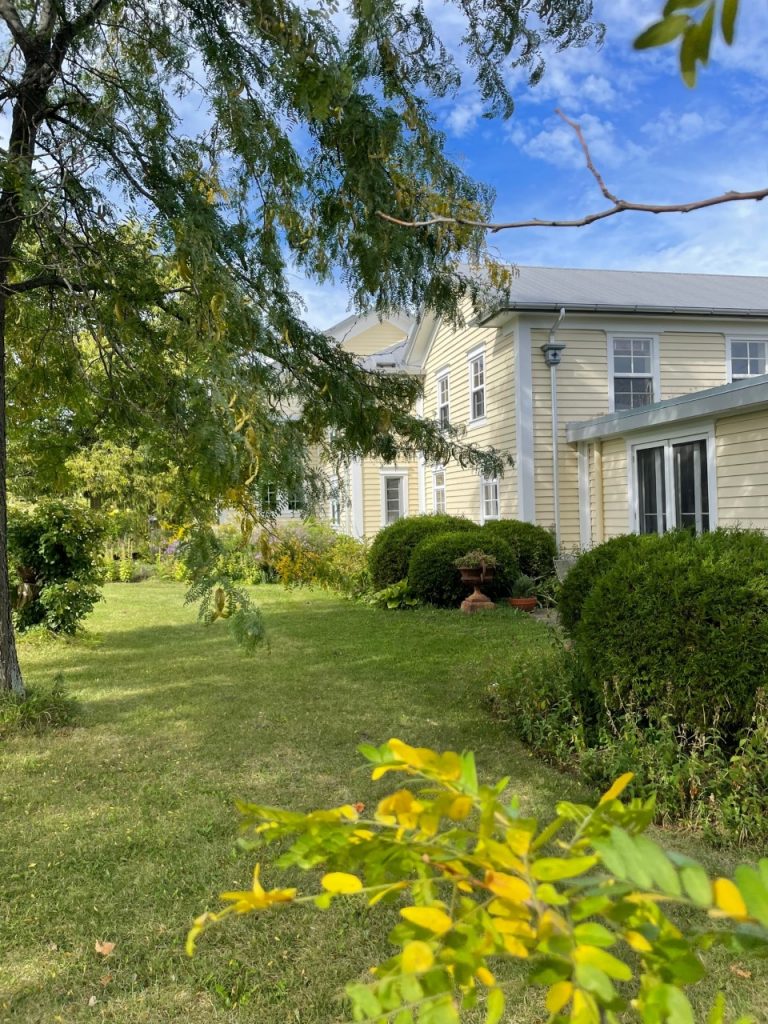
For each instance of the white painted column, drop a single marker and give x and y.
(356, 498)
(526, 492)
(585, 510)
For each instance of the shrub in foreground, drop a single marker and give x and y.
(590, 566)
(390, 552)
(434, 578)
(476, 884)
(680, 631)
(55, 553)
(534, 547)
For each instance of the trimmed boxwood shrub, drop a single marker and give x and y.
(434, 578)
(390, 552)
(593, 564)
(535, 548)
(679, 631)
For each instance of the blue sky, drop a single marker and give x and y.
(653, 139)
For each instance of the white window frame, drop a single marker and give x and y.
(763, 338)
(402, 475)
(493, 481)
(334, 504)
(440, 379)
(667, 439)
(472, 357)
(655, 364)
(436, 471)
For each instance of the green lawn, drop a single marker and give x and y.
(121, 829)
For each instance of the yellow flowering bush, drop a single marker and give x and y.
(584, 902)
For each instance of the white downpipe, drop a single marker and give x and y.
(555, 453)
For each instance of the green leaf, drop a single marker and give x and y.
(468, 772)
(553, 869)
(717, 1013)
(636, 869)
(662, 32)
(697, 884)
(703, 33)
(494, 1006)
(688, 58)
(593, 934)
(728, 20)
(661, 867)
(755, 893)
(595, 981)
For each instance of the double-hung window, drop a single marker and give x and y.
(443, 401)
(633, 369)
(477, 386)
(749, 358)
(489, 498)
(673, 485)
(335, 503)
(295, 501)
(394, 498)
(438, 488)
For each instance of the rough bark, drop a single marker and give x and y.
(10, 671)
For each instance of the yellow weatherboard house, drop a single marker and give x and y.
(631, 402)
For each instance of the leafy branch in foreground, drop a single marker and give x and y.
(581, 903)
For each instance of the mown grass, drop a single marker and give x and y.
(122, 828)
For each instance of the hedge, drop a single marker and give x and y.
(582, 577)
(679, 632)
(390, 552)
(434, 578)
(535, 548)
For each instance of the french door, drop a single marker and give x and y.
(672, 485)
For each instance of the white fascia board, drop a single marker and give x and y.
(742, 395)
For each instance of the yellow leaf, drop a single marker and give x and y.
(617, 788)
(519, 928)
(515, 947)
(417, 958)
(460, 808)
(382, 769)
(519, 841)
(729, 899)
(341, 882)
(507, 887)
(431, 918)
(395, 887)
(559, 996)
(485, 977)
(605, 962)
(638, 942)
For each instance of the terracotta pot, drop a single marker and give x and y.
(523, 604)
(477, 600)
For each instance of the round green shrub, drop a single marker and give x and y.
(390, 552)
(593, 564)
(434, 578)
(535, 548)
(680, 631)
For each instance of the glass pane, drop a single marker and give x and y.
(651, 490)
(392, 494)
(739, 367)
(739, 349)
(641, 364)
(478, 404)
(691, 490)
(622, 346)
(622, 364)
(641, 347)
(443, 416)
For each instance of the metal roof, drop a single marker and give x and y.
(633, 291)
(745, 395)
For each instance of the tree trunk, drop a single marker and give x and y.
(10, 672)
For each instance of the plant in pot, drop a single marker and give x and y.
(523, 596)
(476, 567)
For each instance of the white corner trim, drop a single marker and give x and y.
(356, 498)
(526, 490)
(585, 507)
(655, 362)
(422, 475)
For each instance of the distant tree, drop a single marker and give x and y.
(166, 167)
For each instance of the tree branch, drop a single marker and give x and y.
(617, 205)
(12, 18)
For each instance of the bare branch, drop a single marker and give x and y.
(618, 205)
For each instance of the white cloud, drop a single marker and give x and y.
(686, 127)
(464, 114)
(559, 145)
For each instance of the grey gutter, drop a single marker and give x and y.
(607, 308)
(752, 392)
